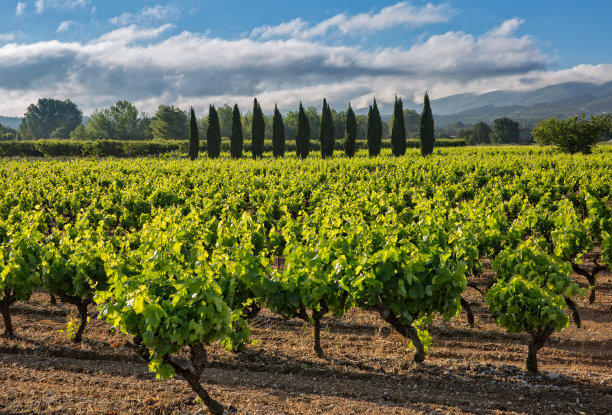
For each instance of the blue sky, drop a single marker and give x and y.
(189, 52)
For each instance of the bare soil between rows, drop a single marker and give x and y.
(367, 368)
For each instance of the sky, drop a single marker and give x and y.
(197, 53)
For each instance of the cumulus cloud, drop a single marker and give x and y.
(42, 5)
(152, 66)
(64, 26)
(146, 16)
(20, 9)
(400, 14)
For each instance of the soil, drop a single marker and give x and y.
(367, 368)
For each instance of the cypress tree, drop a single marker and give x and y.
(398, 129)
(236, 140)
(213, 134)
(374, 130)
(350, 132)
(302, 138)
(326, 135)
(278, 134)
(258, 129)
(426, 128)
(194, 139)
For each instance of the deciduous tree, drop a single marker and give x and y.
(576, 135)
(50, 118)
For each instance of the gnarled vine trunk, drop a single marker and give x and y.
(7, 299)
(192, 375)
(406, 331)
(538, 338)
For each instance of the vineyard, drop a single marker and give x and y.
(472, 280)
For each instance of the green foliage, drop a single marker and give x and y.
(7, 133)
(72, 264)
(411, 122)
(505, 131)
(194, 137)
(426, 128)
(398, 129)
(50, 118)
(192, 250)
(350, 132)
(20, 254)
(236, 138)
(278, 134)
(482, 133)
(521, 305)
(326, 135)
(169, 123)
(529, 261)
(162, 292)
(575, 135)
(302, 138)
(120, 122)
(213, 134)
(258, 128)
(374, 130)
(314, 121)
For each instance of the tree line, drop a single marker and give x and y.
(327, 131)
(51, 118)
(56, 119)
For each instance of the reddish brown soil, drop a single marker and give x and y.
(367, 370)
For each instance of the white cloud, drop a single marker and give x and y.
(20, 9)
(146, 15)
(7, 37)
(42, 5)
(154, 66)
(507, 28)
(64, 26)
(400, 14)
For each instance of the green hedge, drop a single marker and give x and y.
(100, 148)
(115, 148)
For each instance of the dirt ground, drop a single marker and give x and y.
(367, 368)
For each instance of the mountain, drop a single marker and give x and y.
(12, 122)
(576, 95)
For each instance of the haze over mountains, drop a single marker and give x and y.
(559, 101)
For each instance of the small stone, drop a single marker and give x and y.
(553, 376)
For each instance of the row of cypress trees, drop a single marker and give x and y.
(326, 134)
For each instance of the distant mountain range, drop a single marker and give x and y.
(11, 122)
(559, 101)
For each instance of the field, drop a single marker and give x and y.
(367, 369)
(258, 232)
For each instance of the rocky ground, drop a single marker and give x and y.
(367, 368)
